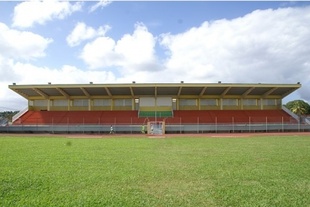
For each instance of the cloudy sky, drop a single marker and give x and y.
(153, 42)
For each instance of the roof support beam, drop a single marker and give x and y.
(225, 91)
(270, 91)
(247, 92)
(203, 91)
(131, 91)
(108, 91)
(41, 93)
(63, 93)
(180, 90)
(85, 92)
(155, 91)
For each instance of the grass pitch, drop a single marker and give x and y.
(183, 171)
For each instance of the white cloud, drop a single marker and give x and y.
(9, 100)
(130, 51)
(82, 32)
(138, 48)
(267, 46)
(101, 3)
(66, 74)
(21, 44)
(264, 46)
(100, 53)
(270, 46)
(26, 14)
(21, 73)
(17, 46)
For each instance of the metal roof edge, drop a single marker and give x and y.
(298, 85)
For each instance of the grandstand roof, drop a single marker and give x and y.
(135, 90)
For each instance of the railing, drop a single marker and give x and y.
(19, 114)
(169, 128)
(295, 116)
(3, 121)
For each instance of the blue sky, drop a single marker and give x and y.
(118, 42)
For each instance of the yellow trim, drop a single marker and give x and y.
(124, 108)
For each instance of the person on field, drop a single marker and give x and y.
(111, 130)
(143, 129)
(152, 129)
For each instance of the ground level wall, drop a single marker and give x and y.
(169, 129)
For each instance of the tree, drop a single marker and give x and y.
(298, 107)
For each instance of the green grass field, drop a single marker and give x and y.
(184, 171)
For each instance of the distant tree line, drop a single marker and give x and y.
(8, 115)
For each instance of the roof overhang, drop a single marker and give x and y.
(136, 90)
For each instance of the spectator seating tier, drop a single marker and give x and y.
(132, 117)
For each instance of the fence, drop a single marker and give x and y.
(170, 128)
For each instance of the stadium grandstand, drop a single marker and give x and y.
(161, 107)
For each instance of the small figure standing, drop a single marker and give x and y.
(143, 129)
(111, 130)
(152, 129)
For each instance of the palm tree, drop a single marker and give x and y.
(298, 107)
